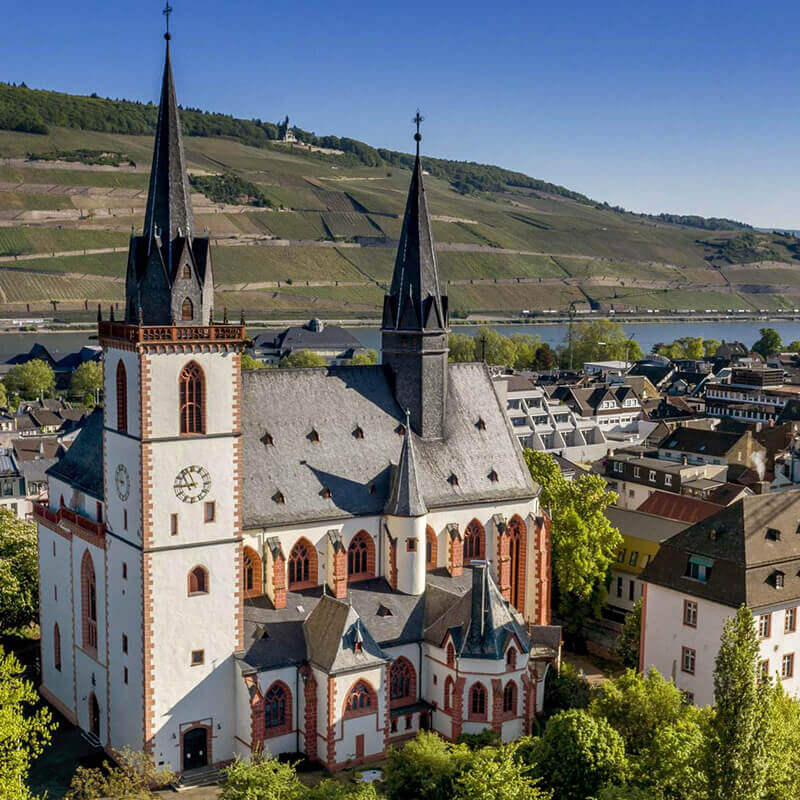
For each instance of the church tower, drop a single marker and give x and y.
(172, 455)
(415, 328)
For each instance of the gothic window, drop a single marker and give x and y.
(302, 565)
(57, 647)
(277, 709)
(431, 548)
(402, 682)
(449, 686)
(251, 568)
(511, 658)
(88, 604)
(198, 581)
(360, 557)
(474, 542)
(510, 698)
(122, 398)
(517, 535)
(477, 701)
(192, 399)
(187, 310)
(451, 654)
(361, 699)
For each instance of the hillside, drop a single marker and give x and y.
(300, 231)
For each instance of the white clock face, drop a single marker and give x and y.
(122, 480)
(192, 484)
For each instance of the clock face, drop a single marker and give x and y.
(122, 480)
(192, 484)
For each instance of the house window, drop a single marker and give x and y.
(690, 613)
(411, 545)
(510, 698)
(668, 480)
(359, 555)
(210, 510)
(187, 310)
(122, 398)
(198, 581)
(187, 273)
(125, 519)
(192, 399)
(276, 702)
(125, 675)
(124, 643)
(124, 570)
(699, 568)
(688, 657)
(634, 558)
(764, 626)
(402, 682)
(787, 666)
(98, 511)
(619, 587)
(361, 699)
(57, 647)
(631, 590)
(198, 657)
(477, 702)
(431, 548)
(621, 556)
(394, 726)
(790, 620)
(763, 668)
(173, 524)
(409, 720)
(451, 654)
(652, 476)
(636, 472)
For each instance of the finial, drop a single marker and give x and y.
(111, 313)
(225, 315)
(99, 313)
(408, 420)
(167, 12)
(418, 119)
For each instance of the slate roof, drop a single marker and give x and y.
(38, 351)
(299, 439)
(643, 525)
(678, 506)
(82, 466)
(745, 558)
(698, 440)
(309, 337)
(33, 448)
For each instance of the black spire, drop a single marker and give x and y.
(405, 498)
(415, 319)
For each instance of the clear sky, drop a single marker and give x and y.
(687, 107)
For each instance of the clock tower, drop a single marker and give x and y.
(172, 455)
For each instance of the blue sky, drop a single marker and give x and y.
(679, 106)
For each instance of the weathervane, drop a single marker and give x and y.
(418, 119)
(166, 12)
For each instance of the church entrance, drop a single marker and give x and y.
(195, 748)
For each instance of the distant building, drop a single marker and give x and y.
(333, 343)
(611, 407)
(12, 484)
(285, 131)
(698, 446)
(753, 394)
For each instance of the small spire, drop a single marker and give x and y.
(405, 498)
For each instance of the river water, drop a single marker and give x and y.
(645, 333)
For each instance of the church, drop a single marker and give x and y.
(311, 561)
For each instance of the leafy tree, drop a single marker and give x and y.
(769, 344)
(3, 395)
(330, 789)
(31, 379)
(630, 636)
(303, 358)
(783, 746)
(586, 343)
(19, 572)
(86, 380)
(579, 755)
(248, 362)
(365, 359)
(710, 347)
(462, 347)
(496, 774)
(566, 689)
(134, 775)
(794, 346)
(426, 768)
(263, 778)
(584, 542)
(25, 729)
(694, 347)
(741, 726)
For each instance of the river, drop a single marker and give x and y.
(645, 333)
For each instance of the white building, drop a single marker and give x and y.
(314, 560)
(747, 553)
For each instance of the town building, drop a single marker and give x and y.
(753, 394)
(746, 554)
(612, 407)
(12, 484)
(331, 342)
(321, 561)
(699, 446)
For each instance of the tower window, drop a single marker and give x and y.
(198, 581)
(279, 498)
(57, 647)
(187, 310)
(198, 657)
(192, 399)
(210, 511)
(358, 432)
(122, 398)
(88, 604)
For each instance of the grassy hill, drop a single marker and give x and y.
(299, 231)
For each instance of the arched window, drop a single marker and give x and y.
(187, 310)
(449, 686)
(251, 573)
(517, 534)
(510, 698)
(431, 548)
(361, 699)
(277, 709)
(477, 702)
(192, 399)
(474, 542)
(198, 581)
(57, 647)
(94, 715)
(451, 654)
(187, 272)
(122, 398)
(511, 658)
(302, 565)
(88, 604)
(361, 557)
(402, 682)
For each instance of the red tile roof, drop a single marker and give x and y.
(678, 506)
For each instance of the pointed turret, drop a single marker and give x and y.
(415, 317)
(169, 279)
(406, 498)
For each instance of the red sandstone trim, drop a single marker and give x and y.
(430, 536)
(331, 752)
(310, 712)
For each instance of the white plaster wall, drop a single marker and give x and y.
(111, 357)
(54, 571)
(624, 601)
(79, 547)
(56, 489)
(411, 565)
(321, 679)
(290, 742)
(122, 450)
(370, 725)
(91, 677)
(781, 643)
(243, 730)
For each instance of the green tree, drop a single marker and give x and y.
(584, 542)
(783, 746)
(31, 379)
(587, 338)
(248, 362)
(566, 689)
(741, 727)
(25, 728)
(629, 637)
(462, 347)
(331, 789)
(769, 344)
(365, 359)
(87, 380)
(263, 778)
(135, 775)
(710, 347)
(497, 774)
(694, 347)
(303, 358)
(426, 768)
(19, 572)
(794, 346)
(3, 395)
(579, 755)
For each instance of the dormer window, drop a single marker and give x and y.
(267, 439)
(699, 568)
(493, 476)
(480, 424)
(453, 479)
(313, 436)
(400, 430)
(325, 493)
(279, 498)
(773, 534)
(777, 579)
(358, 433)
